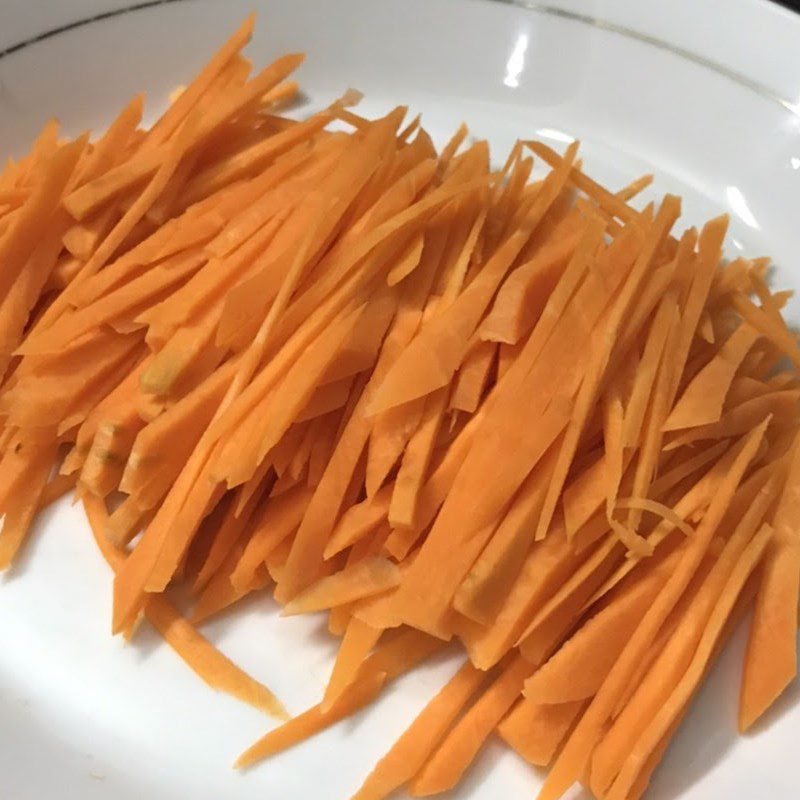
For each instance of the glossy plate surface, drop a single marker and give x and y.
(707, 99)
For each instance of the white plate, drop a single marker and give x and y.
(706, 98)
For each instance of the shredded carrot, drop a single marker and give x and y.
(508, 411)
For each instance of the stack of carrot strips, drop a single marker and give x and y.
(434, 399)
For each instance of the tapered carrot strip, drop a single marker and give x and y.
(326, 398)
(358, 521)
(416, 461)
(21, 500)
(424, 597)
(359, 694)
(368, 577)
(168, 123)
(83, 238)
(199, 654)
(522, 297)
(611, 203)
(709, 252)
(547, 564)
(434, 492)
(390, 434)
(414, 747)
(535, 731)
(454, 755)
(472, 377)
(407, 262)
(658, 410)
(768, 671)
(646, 373)
(764, 324)
(702, 401)
(359, 639)
(360, 350)
(389, 661)
(741, 418)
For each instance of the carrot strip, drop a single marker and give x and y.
(359, 639)
(702, 401)
(454, 755)
(305, 725)
(576, 671)
(368, 577)
(768, 672)
(660, 725)
(535, 731)
(573, 758)
(670, 663)
(199, 654)
(389, 661)
(414, 747)
(433, 356)
(358, 521)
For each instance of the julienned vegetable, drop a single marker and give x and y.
(437, 400)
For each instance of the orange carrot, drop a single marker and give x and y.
(414, 747)
(358, 640)
(368, 577)
(460, 746)
(535, 731)
(200, 655)
(771, 659)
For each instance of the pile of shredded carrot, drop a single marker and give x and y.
(437, 400)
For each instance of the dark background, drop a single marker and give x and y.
(794, 5)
